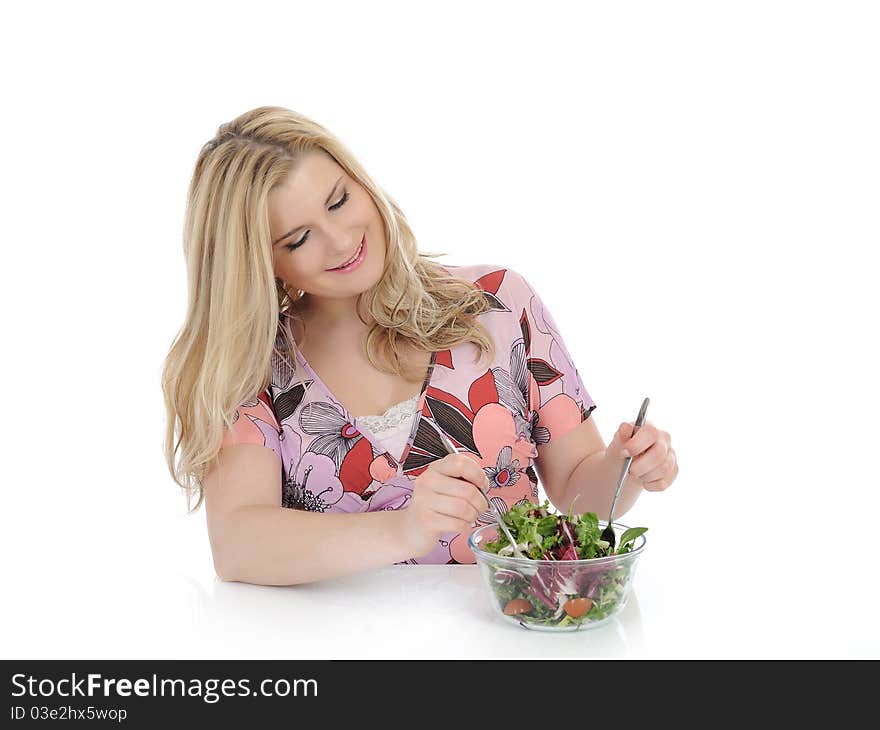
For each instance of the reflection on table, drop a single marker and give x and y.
(401, 611)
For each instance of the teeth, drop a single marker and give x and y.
(351, 260)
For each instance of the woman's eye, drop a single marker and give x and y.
(292, 246)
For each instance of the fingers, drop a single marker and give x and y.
(460, 509)
(461, 466)
(654, 461)
(444, 525)
(634, 445)
(650, 461)
(448, 504)
(460, 490)
(662, 477)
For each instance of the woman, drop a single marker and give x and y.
(322, 356)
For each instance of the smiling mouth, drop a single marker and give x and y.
(353, 258)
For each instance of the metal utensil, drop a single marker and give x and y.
(450, 447)
(608, 532)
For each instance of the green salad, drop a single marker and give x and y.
(559, 594)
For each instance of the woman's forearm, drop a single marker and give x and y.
(594, 481)
(281, 546)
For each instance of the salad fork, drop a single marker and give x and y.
(608, 532)
(450, 447)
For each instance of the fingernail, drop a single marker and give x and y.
(625, 453)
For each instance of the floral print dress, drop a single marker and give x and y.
(497, 413)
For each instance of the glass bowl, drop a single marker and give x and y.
(556, 595)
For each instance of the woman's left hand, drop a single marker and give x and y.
(654, 461)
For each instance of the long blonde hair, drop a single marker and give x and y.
(237, 325)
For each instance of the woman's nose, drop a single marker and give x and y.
(342, 246)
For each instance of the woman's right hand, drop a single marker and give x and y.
(447, 497)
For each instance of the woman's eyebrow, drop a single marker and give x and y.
(326, 202)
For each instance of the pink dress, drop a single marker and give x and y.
(530, 394)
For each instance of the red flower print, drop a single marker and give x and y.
(505, 473)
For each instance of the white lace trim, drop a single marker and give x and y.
(393, 419)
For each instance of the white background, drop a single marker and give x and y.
(692, 188)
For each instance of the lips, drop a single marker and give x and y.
(353, 256)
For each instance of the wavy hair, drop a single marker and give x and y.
(237, 328)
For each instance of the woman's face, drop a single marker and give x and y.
(318, 217)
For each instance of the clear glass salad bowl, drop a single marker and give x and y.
(556, 595)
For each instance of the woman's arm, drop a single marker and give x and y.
(593, 483)
(281, 546)
(256, 540)
(578, 474)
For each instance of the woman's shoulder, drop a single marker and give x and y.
(254, 422)
(506, 284)
(486, 275)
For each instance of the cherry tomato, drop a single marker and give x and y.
(577, 607)
(517, 605)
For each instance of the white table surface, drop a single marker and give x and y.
(405, 611)
(114, 572)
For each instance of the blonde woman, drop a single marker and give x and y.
(322, 355)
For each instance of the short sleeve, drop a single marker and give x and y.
(254, 422)
(556, 392)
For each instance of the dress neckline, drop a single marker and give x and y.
(356, 422)
(391, 411)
